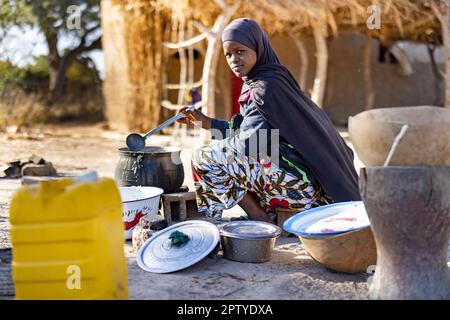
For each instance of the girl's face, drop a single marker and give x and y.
(240, 58)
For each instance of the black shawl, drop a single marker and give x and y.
(301, 122)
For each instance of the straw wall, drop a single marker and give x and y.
(132, 45)
(116, 67)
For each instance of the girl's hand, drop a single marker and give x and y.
(188, 119)
(193, 116)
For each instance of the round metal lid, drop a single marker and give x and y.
(250, 230)
(159, 256)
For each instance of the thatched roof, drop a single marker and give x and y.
(149, 23)
(400, 19)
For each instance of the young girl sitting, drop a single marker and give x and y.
(281, 151)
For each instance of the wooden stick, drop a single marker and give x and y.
(221, 3)
(406, 68)
(201, 27)
(183, 62)
(368, 84)
(186, 43)
(190, 78)
(445, 26)
(318, 92)
(438, 77)
(169, 105)
(183, 74)
(165, 62)
(303, 69)
(177, 86)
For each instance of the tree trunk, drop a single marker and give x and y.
(368, 84)
(318, 92)
(58, 65)
(57, 79)
(53, 64)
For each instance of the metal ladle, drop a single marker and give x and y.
(136, 142)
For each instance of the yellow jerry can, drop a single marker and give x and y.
(68, 241)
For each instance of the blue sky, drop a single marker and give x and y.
(21, 45)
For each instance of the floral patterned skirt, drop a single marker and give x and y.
(221, 184)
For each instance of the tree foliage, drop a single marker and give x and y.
(51, 16)
(14, 13)
(77, 20)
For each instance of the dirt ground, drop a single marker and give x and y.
(290, 274)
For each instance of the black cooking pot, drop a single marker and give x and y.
(152, 166)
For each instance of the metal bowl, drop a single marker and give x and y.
(248, 241)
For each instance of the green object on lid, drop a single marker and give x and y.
(178, 238)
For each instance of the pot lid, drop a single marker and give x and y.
(158, 255)
(250, 230)
(329, 220)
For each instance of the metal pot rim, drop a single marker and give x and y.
(158, 150)
(248, 238)
(225, 233)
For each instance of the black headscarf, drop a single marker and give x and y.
(301, 122)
